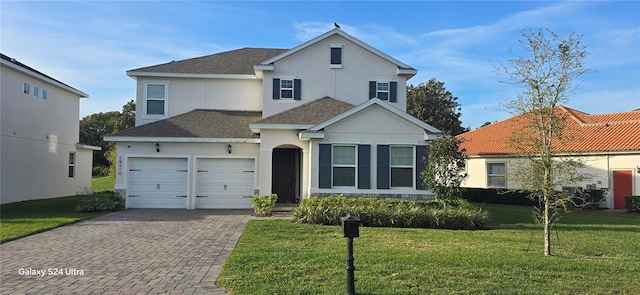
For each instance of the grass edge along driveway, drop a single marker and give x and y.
(25, 218)
(597, 254)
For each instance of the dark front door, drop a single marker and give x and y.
(622, 187)
(285, 174)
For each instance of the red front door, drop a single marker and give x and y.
(621, 187)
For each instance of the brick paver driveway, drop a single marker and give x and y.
(135, 251)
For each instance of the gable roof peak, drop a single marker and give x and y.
(408, 70)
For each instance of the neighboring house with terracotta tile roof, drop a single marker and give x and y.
(41, 156)
(325, 117)
(609, 144)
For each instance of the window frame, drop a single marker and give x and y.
(282, 88)
(163, 99)
(387, 91)
(44, 94)
(71, 171)
(26, 88)
(335, 56)
(491, 175)
(353, 166)
(410, 165)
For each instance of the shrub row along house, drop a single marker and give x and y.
(40, 156)
(608, 145)
(325, 117)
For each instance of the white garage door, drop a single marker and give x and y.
(224, 183)
(157, 183)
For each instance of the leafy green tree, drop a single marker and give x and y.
(94, 127)
(444, 170)
(433, 104)
(546, 73)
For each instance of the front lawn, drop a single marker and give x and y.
(104, 183)
(24, 218)
(598, 254)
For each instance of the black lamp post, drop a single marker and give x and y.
(350, 230)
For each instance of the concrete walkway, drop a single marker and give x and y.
(134, 251)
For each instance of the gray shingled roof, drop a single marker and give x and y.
(311, 113)
(238, 62)
(199, 123)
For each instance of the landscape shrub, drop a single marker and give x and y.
(263, 205)
(497, 196)
(632, 203)
(457, 214)
(106, 201)
(100, 171)
(590, 199)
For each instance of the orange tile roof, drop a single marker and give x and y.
(614, 132)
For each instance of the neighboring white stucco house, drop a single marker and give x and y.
(325, 117)
(40, 156)
(608, 144)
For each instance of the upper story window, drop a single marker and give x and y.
(401, 162)
(44, 94)
(336, 56)
(36, 91)
(26, 88)
(287, 89)
(156, 99)
(384, 90)
(496, 175)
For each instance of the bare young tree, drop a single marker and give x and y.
(546, 73)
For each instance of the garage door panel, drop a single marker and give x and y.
(226, 183)
(158, 183)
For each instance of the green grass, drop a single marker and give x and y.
(598, 254)
(25, 218)
(99, 184)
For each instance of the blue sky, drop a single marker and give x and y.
(90, 44)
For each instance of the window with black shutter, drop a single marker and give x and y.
(384, 90)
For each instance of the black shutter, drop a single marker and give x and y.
(336, 55)
(324, 178)
(364, 166)
(421, 152)
(393, 91)
(297, 89)
(276, 88)
(372, 89)
(383, 170)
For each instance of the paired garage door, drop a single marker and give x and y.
(163, 183)
(224, 183)
(157, 183)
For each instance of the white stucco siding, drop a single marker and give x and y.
(372, 126)
(349, 83)
(193, 152)
(186, 94)
(598, 167)
(274, 138)
(375, 124)
(37, 136)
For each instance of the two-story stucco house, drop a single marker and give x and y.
(323, 118)
(40, 156)
(608, 145)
